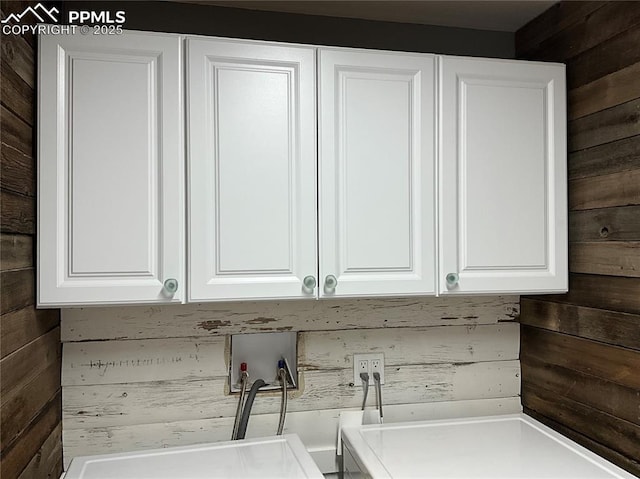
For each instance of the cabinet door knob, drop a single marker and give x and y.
(452, 279)
(309, 282)
(171, 285)
(330, 283)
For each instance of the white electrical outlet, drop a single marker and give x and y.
(368, 363)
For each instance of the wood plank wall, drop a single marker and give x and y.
(580, 352)
(145, 377)
(30, 352)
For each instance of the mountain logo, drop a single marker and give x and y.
(39, 12)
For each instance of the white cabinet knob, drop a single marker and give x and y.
(330, 283)
(171, 285)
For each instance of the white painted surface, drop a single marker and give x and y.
(111, 169)
(275, 457)
(377, 172)
(252, 170)
(510, 446)
(503, 180)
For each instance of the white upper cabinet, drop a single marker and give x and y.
(252, 170)
(502, 202)
(111, 169)
(377, 160)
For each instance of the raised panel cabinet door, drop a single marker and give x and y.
(252, 170)
(503, 176)
(377, 173)
(110, 169)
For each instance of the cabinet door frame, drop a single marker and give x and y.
(208, 279)
(419, 72)
(58, 284)
(456, 74)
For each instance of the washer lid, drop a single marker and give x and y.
(509, 446)
(278, 457)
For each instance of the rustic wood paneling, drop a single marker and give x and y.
(23, 366)
(18, 213)
(22, 326)
(613, 124)
(16, 94)
(606, 92)
(614, 293)
(15, 131)
(606, 452)
(615, 258)
(621, 329)
(605, 224)
(19, 56)
(616, 189)
(614, 157)
(609, 430)
(22, 451)
(606, 396)
(550, 23)
(16, 251)
(146, 322)
(18, 289)
(604, 59)
(17, 171)
(47, 462)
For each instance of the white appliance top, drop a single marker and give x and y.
(280, 457)
(508, 446)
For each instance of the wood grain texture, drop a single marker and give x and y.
(609, 430)
(605, 224)
(593, 29)
(22, 326)
(21, 406)
(612, 363)
(553, 21)
(614, 157)
(16, 251)
(7, 7)
(47, 462)
(23, 450)
(16, 94)
(317, 429)
(612, 455)
(16, 132)
(611, 90)
(17, 171)
(608, 57)
(24, 365)
(616, 258)
(613, 124)
(18, 213)
(616, 189)
(19, 56)
(147, 322)
(604, 292)
(606, 396)
(18, 289)
(621, 329)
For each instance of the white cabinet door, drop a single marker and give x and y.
(252, 170)
(503, 205)
(111, 169)
(377, 171)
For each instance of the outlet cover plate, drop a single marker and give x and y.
(369, 357)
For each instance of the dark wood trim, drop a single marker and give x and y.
(18, 289)
(611, 431)
(631, 465)
(18, 328)
(16, 251)
(606, 396)
(605, 126)
(614, 157)
(613, 363)
(621, 329)
(16, 457)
